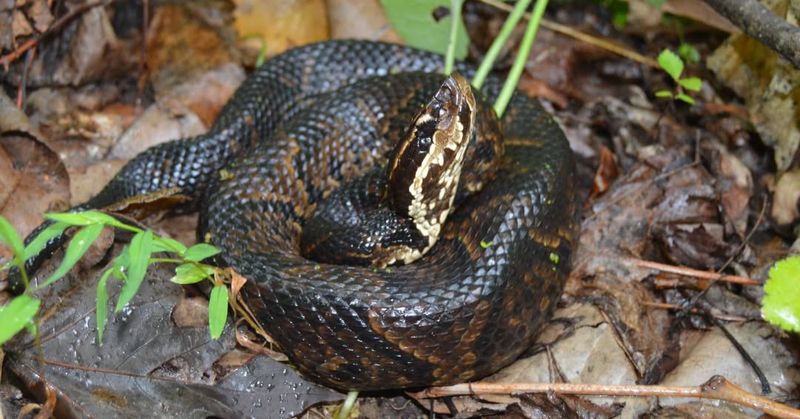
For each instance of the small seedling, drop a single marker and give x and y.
(672, 64)
(689, 53)
(129, 267)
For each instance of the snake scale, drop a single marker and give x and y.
(324, 114)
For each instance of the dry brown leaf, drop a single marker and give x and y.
(40, 14)
(186, 109)
(9, 177)
(85, 50)
(786, 198)
(699, 11)
(363, 19)
(191, 312)
(767, 83)
(291, 22)
(43, 182)
(87, 181)
(181, 45)
(20, 26)
(643, 14)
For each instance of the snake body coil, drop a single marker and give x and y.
(320, 115)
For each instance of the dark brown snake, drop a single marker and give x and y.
(325, 114)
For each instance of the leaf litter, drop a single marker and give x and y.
(680, 185)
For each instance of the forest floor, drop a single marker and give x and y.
(672, 193)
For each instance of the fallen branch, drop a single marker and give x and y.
(717, 388)
(695, 273)
(760, 23)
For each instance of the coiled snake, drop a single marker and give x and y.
(328, 114)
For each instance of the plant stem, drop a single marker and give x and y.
(166, 260)
(455, 15)
(347, 406)
(505, 32)
(522, 57)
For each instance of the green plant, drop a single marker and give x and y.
(129, 267)
(619, 12)
(781, 303)
(421, 25)
(673, 65)
(689, 53)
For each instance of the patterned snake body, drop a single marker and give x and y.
(320, 115)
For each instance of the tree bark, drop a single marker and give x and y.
(760, 23)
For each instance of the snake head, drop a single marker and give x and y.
(423, 174)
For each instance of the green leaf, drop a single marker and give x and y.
(664, 93)
(671, 63)
(16, 315)
(689, 53)
(217, 310)
(414, 21)
(657, 3)
(10, 237)
(101, 304)
(486, 245)
(781, 303)
(53, 230)
(138, 257)
(85, 218)
(619, 12)
(191, 273)
(691, 83)
(166, 244)
(121, 263)
(199, 252)
(77, 247)
(686, 98)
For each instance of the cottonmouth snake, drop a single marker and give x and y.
(316, 116)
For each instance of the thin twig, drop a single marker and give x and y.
(667, 306)
(23, 84)
(747, 358)
(717, 388)
(583, 37)
(730, 260)
(7, 59)
(694, 273)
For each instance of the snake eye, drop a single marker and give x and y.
(424, 171)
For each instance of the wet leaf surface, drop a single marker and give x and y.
(170, 370)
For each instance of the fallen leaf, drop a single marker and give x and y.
(40, 14)
(85, 50)
(185, 110)
(87, 181)
(786, 198)
(705, 354)
(182, 45)
(363, 19)
(766, 82)
(291, 23)
(42, 180)
(20, 27)
(191, 312)
(607, 172)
